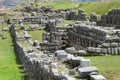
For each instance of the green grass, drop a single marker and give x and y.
(58, 5)
(98, 7)
(8, 66)
(37, 34)
(88, 7)
(66, 22)
(3, 26)
(109, 66)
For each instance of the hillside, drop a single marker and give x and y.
(99, 7)
(88, 7)
(12, 3)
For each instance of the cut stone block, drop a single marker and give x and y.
(97, 77)
(69, 57)
(71, 50)
(85, 63)
(75, 61)
(61, 54)
(85, 71)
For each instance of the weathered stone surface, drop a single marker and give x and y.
(71, 50)
(93, 17)
(33, 14)
(85, 63)
(81, 52)
(85, 71)
(111, 18)
(97, 77)
(75, 61)
(36, 43)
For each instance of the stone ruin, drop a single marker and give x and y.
(94, 17)
(80, 16)
(40, 66)
(56, 37)
(58, 56)
(111, 19)
(94, 39)
(36, 20)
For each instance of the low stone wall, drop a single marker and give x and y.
(36, 64)
(103, 51)
(40, 66)
(36, 20)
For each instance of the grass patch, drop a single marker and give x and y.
(66, 22)
(58, 5)
(3, 26)
(99, 7)
(9, 68)
(109, 66)
(37, 35)
(88, 7)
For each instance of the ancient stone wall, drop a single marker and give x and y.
(55, 39)
(112, 18)
(40, 66)
(87, 35)
(33, 62)
(93, 39)
(35, 20)
(77, 16)
(36, 64)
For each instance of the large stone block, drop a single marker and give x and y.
(71, 50)
(85, 71)
(85, 63)
(68, 58)
(97, 77)
(75, 61)
(61, 54)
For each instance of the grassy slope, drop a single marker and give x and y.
(99, 7)
(109, 66)
(58, 5)
(8, 67)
